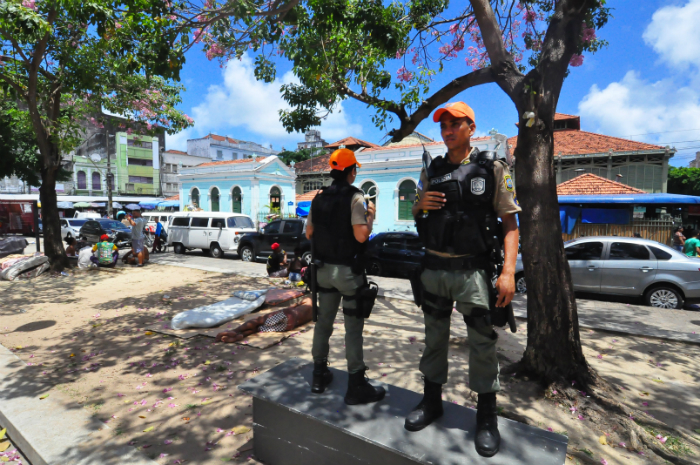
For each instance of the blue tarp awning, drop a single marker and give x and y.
(605, 216)
(630, 199)
(148, 205)
(303, 208)
(169, 203)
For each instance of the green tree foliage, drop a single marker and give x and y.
(289, 156)
(66, 60)
(684, 181)
(17, 143)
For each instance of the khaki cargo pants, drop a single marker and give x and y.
(344, 282)
(470, 289)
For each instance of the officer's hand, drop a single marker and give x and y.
(371, 209)
(505, 286)
(432, 201)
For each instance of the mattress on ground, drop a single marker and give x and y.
(215, 314)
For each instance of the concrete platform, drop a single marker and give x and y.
(292, 426)
(52, 431)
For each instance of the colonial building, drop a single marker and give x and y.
(389, 175)
(256, 187)
(173, 162)
(313, 174)
(312, 140)
(220, 148)
(637, 164)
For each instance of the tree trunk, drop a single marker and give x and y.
(53, 242)
(553, 350)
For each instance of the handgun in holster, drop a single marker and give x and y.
(493, 235)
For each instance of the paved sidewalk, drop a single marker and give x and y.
(678, 325)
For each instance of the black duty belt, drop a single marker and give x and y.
(434, 262)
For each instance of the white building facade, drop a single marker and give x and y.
(220, 148)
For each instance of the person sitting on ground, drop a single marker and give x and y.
(277, 262)
(70, 250)
(107, 253)
(692, 245)
(282, 320)
(137, 238)
(295, 266)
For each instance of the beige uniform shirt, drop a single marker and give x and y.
(358, 208)
(505, 202)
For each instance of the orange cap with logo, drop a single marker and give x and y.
(342, 158)
(456, 109)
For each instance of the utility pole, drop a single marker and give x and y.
(109, 179)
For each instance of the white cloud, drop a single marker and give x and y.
(635, 106)
(241, 101)
(674, 34)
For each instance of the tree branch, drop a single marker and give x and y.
(363, 97)
(460, 84)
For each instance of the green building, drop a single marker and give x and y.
(137, 164)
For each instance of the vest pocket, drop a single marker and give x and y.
(467, 238)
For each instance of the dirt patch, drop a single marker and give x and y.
(84, 339)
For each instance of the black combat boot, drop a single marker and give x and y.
(487, 439)
(428, 410)
(360, 391)
(322, 377)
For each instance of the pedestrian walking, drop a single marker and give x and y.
(156, 239)
(691, 246)
(679, 239)
(339, 224)
(138, 248)
(458, 202)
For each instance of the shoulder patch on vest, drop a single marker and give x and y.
(420, 184)
(508, 181)
(478, 186)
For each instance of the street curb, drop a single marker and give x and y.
(47, 431)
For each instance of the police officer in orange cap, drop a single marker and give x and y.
(458, 202)
(339, 224)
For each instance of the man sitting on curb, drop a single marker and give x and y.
(107, 253)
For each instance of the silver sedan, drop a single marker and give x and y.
(626, 266)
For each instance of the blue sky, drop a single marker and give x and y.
(644, 87)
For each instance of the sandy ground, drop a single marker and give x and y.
(83, 338)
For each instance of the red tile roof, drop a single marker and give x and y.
(308, 196)
(222, 138)
(575, 142)
(230, 162)
(178, 152)
(590, 184)
(314, 165)
(174, 197)
(562, 116)
(349, 141)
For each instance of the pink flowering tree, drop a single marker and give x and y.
(64, 61)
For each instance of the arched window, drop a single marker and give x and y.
(275, 198)
(370, 188)
(194, 197)
(214, 199)
(236, 200)
(407, 194)
(96, 181)
(82, 180)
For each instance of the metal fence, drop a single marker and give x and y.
(655, 230)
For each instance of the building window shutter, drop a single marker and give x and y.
(407, 193)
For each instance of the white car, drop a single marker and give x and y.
(70, 227)
(213, 232)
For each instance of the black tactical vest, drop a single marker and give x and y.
(459, 228)
(334, 239)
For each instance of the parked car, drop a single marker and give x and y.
(626, 266)
(71, 227)
(93, 229)
(289, 234)
(212, 232)
(394, 253)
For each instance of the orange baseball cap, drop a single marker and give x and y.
(456, 109)
(342, 158)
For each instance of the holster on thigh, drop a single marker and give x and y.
(364, 298)
(437, 306)
(480, 318)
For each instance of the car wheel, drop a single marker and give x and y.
(306, 258)
(374, 268)
(246, 254)
(216, 251)
(664, 297)
(520, 284)
(179, 248)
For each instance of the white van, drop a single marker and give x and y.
(84, 215)
(213, 232)
(163, 217)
